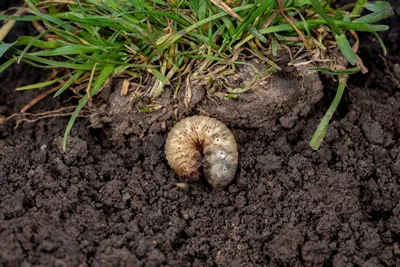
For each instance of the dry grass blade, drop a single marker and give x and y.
(270, 19)
(290, 21)
(40, 97)
(355, 49)
(125, 87)
(32, 117)
(6, 28)
(42, 3)
(227, 9)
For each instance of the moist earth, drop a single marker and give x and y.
(98, 204)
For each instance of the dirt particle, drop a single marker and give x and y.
(373, 131)
(372, 262)
(77, 149)
(396, 167)
(269, 162)
(396, 68)
(288, 121)
(315, 252)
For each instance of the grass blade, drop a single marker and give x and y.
(30, 45)
(39, 85)
(380, 42)
(71, 121)
(320, 133)
(7, 64)
(336, 72)
(106, 73)
(4, 47)
(346, 49)
(68, 83)
(67, 50)
(59, 64)
(49, 18)
(380, 11)
(320, 10)
(97, 85)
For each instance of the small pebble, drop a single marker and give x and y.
(126, 196)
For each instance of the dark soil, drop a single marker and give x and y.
(102, 205)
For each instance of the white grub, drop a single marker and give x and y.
(201, 141)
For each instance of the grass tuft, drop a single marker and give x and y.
(92, 41)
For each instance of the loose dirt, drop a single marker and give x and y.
(102, 204)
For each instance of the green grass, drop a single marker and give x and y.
(99, 40)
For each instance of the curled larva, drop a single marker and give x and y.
(201, 141)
